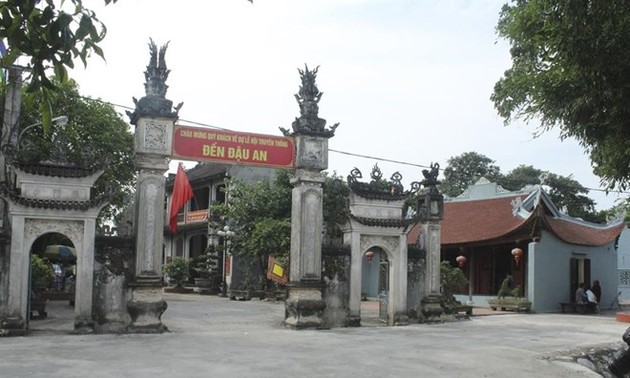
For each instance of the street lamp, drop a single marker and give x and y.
(60, 121)
(226, 234)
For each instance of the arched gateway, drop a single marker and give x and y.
(377, 223)
(50, 198)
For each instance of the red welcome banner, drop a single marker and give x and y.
(203, 144)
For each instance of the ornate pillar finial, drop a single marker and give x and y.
(308, 97)
(155, 103)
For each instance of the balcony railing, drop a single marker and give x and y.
(191, 217)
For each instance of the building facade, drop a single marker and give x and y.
(487, 223)
(208, 181)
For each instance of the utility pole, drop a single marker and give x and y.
(12, 107)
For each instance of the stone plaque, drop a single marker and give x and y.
(312, 152)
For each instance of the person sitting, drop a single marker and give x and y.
(591, 299)
(580, 294)
(597, 290)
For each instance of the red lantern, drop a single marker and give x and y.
(369, 255)
(517, 253)
(461, 260)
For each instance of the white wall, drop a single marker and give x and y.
(549, 279)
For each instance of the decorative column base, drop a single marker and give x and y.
(13, 326)
(147, 306)
(304, 306)
(83, 326)
(401, 319)
(353, 321)
(432, 309)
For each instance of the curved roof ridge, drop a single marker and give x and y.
(581, 233)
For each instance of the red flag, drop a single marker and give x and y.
(182, 193)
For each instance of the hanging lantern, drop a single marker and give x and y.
(369, 255)
(517, 253)
(461, 260)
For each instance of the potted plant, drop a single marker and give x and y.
(42, 275)
(508, 298)
(177, 270)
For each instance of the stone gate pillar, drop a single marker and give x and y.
(431, 212)
(154, 120)
(304, 304)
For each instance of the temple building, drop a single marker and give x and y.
(491, 233)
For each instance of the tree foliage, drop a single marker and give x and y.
(91, 124)
(336, 204)
(465, 170)
(565, 192)
(51, 37)
(261, 213)
(50, 34)
(452, 280)
(571, 70)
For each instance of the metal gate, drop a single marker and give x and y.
(383, 289)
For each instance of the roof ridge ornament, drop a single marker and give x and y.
(308, 97)
(517, 205)
(378, 188)
(430, 176)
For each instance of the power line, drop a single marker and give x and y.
(181, 119)
(424, 166)
(338, 151)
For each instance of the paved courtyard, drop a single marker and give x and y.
(215, 337)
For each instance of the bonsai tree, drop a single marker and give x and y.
(508, 289)
(508, 297)
(206, 265)
(452, 279)
(177, 270)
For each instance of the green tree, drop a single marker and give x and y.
(465, 170)
(336, 209)
(452, 281)
(92, 124)
(571, 70)
(521, 176)
(49, 34)
(570, 196)
(565, 192)
(261, 212)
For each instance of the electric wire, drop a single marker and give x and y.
(339, 151)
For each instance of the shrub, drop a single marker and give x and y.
(41, 272)
(177, 270)
(452, 279)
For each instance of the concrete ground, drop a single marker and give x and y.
(216, 337)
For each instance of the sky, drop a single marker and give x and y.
(408, 80)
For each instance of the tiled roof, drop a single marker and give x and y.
(57, 170)
(581, 234)
(11, 195)
(487, 220)
(380, 222)
(475, 221)
(199, 174)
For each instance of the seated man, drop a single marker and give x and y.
(580, 294)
